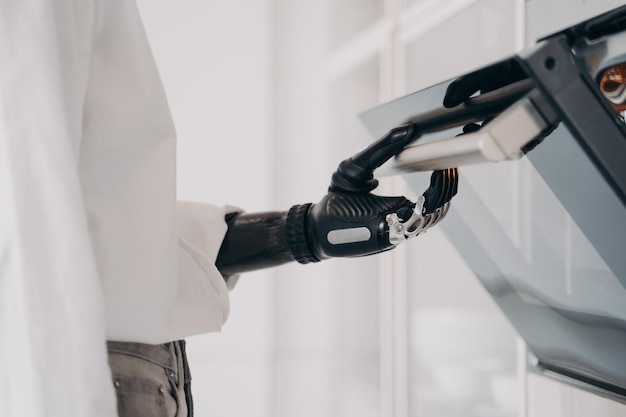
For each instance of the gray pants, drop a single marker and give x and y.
(151, 380)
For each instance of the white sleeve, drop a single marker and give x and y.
(202, 297)
(53, 357)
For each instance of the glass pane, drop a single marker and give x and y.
(349, 17)
(462, 349)
(503, 205)
(545, 236)
(568, 269)
(564, 296)
(554, 263)
(355, 295)
(351, 94)
(546, 17)
(467, 40)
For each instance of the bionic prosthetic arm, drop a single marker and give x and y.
(348, 222)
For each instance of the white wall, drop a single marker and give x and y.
(213, 57)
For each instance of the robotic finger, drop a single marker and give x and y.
(431, 207)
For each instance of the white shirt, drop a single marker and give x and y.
(93, 245)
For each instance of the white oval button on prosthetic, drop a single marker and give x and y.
(355, 234)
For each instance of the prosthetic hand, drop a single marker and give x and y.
(349, 221)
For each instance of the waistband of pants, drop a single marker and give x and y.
(163, 355)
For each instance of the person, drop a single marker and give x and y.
(94, 246)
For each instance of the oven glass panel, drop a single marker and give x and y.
(555, 264)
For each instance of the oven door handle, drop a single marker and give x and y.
(506, 137)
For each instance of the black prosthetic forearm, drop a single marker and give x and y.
(349, 221)
(253, 241)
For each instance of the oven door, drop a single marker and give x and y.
(558, 269)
